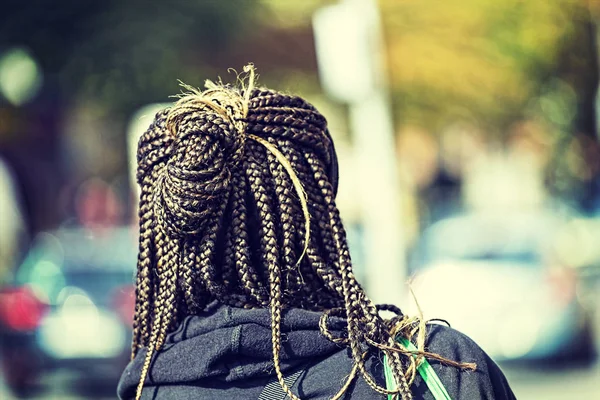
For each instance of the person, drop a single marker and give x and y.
(245, 287)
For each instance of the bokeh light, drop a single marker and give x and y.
(20, 76)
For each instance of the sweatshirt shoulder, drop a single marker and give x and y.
(442, 338)
(486, 382)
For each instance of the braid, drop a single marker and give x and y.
(226, 248)
(166, 296)
(193, 288)
(144, 279)
(284, 208)
(270, 254)
(305, 281)
(248, 276)
(322, 251)
(356, 301)
(152, 153)
(228, 180)
(209, 271)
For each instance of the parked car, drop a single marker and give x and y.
(497, 279)
(69, 306)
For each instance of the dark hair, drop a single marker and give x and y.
(222, 217)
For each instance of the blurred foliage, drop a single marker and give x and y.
(475, 59)
(123, 53)
(482, 59)
(291, 13)
(486, 62)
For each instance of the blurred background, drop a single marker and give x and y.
(468, 142)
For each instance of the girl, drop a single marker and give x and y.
(245, 287)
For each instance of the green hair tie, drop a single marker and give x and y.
(425, 370)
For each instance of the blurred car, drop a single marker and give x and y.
(497, 279)
(70, 306)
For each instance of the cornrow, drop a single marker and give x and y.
(237, 205)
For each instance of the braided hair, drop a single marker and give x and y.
(237, 205)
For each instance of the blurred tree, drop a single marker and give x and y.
(577, 142)
(481, 59)
(122, 53)
(499, 62)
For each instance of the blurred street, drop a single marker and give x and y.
(575, 383)
(59, 387)
(550, 383)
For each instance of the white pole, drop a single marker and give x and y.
(349, 50)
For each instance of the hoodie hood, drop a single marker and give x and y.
(230, 344)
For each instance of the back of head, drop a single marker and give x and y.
(237, 205)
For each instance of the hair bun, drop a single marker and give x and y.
(197, 175)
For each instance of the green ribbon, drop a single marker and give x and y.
(425, 370)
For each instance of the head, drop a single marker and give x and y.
(238, 205)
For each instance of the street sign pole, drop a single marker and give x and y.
(349, 46)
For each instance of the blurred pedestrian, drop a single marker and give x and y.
(245, 287)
